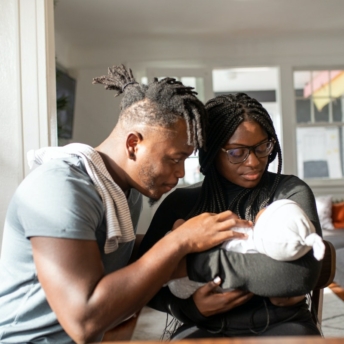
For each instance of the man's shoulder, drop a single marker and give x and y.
(62, 169)
(68, 165)
(65, 178)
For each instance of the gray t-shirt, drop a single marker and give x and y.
(57, 199)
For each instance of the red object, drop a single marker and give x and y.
(338, 215)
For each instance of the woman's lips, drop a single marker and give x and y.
(251, 176)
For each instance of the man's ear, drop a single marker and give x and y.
(133, 140)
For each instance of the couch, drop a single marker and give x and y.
(331, 216)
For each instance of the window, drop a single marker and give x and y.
(319, 97)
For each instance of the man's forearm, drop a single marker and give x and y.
(92, 303)
(87, 303)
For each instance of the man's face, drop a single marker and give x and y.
(160, 160)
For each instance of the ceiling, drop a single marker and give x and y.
(100, 24)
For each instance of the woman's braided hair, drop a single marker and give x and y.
(226, 113)
(167, 101)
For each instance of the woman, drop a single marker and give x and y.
(241, 142)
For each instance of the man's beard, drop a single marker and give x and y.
(148, 178)
(152, 201)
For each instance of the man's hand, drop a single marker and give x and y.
(207, 230)
(210, 301)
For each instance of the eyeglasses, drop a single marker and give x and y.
(240, 154)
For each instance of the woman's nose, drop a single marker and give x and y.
(252, 159)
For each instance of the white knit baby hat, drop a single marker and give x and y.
(284, 232)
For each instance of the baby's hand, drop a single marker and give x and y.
(178, 223)
(286, 301)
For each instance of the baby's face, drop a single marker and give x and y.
(261, 211)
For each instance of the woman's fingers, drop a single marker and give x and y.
(210, 299)
(212, 287)
(229, 302)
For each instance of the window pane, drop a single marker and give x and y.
(337, 83)
(303, 110)
(320, 84)
(196, 83)
(341, 145)
(337, 109)
(321, 109)
(192, 171)
(301, 79)
(189, 81)
(320, 152)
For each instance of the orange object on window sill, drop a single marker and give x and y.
(338, 215)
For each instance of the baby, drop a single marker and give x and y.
(282, 231)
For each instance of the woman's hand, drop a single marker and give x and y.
(286, 301)
(210, 300)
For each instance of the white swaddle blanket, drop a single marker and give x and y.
(282, 232)
(119, 227)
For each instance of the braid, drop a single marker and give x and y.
(160, 103)
(226, 113)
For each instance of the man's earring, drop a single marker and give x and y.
(132, 155)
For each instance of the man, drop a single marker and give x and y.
(69, 229)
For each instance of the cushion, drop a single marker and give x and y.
(338, 215)
(324, 208)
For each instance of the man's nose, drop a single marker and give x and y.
(180, 170)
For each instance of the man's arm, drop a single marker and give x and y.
(87, 302)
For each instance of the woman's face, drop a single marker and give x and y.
(248, 173)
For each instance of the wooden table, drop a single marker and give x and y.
(262, 340)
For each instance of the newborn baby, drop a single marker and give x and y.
(282, 231)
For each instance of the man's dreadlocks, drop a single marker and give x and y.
(160, 103)
(226, 113)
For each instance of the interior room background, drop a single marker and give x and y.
(273, 49)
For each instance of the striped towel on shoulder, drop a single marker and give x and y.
(118, 220)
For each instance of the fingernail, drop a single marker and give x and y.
(217, 280)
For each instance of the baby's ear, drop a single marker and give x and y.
(260, 212)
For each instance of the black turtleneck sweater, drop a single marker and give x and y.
(257, 273)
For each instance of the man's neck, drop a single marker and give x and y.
(114, 169)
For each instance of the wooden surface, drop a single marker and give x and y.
(262, 340)
(338, 290)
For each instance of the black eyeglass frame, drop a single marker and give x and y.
(250, 149)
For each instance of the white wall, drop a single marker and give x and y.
(27, 89)
(11, 171)
(96, 110)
